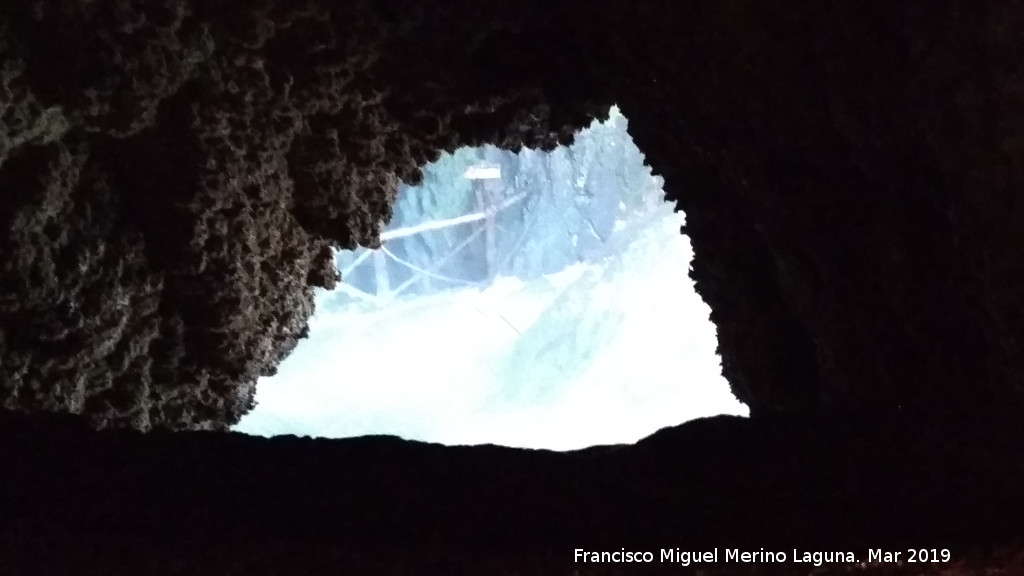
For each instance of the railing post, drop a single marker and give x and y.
(489, 204)
(485, 203)
(492, 218)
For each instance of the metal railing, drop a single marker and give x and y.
(487, 213)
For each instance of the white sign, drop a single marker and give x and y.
(483, 172)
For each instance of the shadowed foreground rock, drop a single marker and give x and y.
(209, 503)
(173, 175)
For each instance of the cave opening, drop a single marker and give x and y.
(531, 299)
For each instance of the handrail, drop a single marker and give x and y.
(489, 212)
(355, 263)
(438, 224)
(357, 293)
(426, 272)
(415, 278)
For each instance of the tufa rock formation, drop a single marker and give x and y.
(173, 174)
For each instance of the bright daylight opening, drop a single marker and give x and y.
(535, 299)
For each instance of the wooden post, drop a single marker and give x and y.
(487, 205)
(485, 202)
(492, 251)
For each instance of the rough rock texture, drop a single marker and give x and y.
(172, 174)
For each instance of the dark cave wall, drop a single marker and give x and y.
(849, 173)
(173, 175)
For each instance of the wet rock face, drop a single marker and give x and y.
(174, 173)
